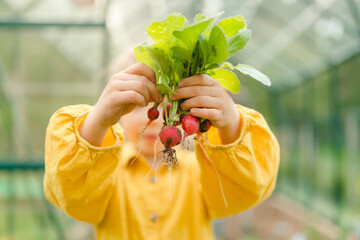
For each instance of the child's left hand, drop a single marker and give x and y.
(208, 99)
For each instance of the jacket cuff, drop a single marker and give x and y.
(211, 139)
(113, 138)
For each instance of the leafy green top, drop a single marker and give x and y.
(181, 50)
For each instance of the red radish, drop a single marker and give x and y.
(153, 113)
(182, 117)
(190, 124)
(205, 125)
(170, 136)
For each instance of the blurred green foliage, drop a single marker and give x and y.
(27, 61)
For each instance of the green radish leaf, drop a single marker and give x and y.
(164, 89)
(178, 58)
(143, 56)
(162, 32)
(218, 46)
(180, 53)
(212, 66)
(232, 25)
(204, 47)
(248, 70)
(227, 79)
(199, 17)
(159, 57)
(189, 35)
(238, 41)
(195, 61)
(228, 65)
(179, 70)
(254, 73)
(163, 86)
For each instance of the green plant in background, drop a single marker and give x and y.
(181, 50)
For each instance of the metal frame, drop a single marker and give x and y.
(27, 24)
(296, 27)
(30, 166)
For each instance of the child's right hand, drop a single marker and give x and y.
(125, 90)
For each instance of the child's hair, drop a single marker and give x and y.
(122, 61)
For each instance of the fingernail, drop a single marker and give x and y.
(180, 84)
(172, 97)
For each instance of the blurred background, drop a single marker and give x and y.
(56, 53)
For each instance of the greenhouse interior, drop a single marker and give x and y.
(60, 53)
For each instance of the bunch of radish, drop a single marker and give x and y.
(182, 49)
(171, 135)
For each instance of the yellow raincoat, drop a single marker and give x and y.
(98, 185)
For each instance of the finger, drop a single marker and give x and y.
(198, 80)
(154, 92)
(131, 97)
(136, 86)
(200, 101)
(207, 113)
(192, 91)
(142, 70)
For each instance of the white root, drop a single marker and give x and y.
(157, 165)
(140, 142)
(170, 166)
(222, 191)
(154, 161)
(137, 155)
(170, 182)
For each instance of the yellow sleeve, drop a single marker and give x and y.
(79, 177)
(247, 167)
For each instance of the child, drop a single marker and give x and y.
(90, 172)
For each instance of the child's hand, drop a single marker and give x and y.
(125, 90)
(208, 99)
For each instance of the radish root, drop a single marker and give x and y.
(157, 165)
(141, 143)
(170, 184)
(207, 156)
(154, 161)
